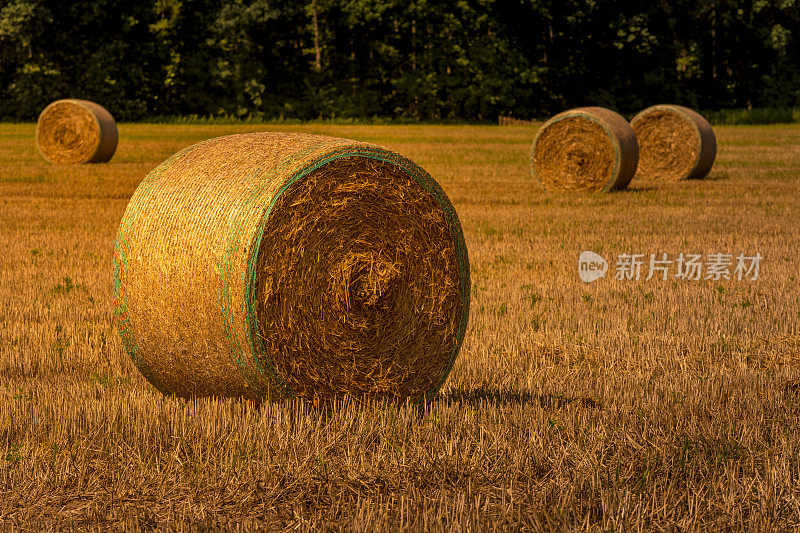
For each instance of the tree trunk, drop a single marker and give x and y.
(318, 62)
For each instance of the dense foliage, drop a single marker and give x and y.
(415, 59)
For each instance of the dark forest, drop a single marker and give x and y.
(400, 59)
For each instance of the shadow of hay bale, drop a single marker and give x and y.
(511, 397)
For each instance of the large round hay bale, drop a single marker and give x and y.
(76, 131)
(274, 264)
(675, 143)
(585, 149)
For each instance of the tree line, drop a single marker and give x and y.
(408, 59)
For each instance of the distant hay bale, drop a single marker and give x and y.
(76, 131)
(513, 121)
(273, 264)
(675, 143)
(585, 149)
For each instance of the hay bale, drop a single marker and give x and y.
(274, 264)
(585, 149)
(675, 143)
(76, 131)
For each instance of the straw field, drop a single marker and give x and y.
(620, 404)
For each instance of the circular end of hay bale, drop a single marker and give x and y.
(675, 143)
(275, 264)
(76, 131)
(585, 149)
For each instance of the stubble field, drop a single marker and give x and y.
(621, 404)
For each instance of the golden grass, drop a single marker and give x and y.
(608, 406)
